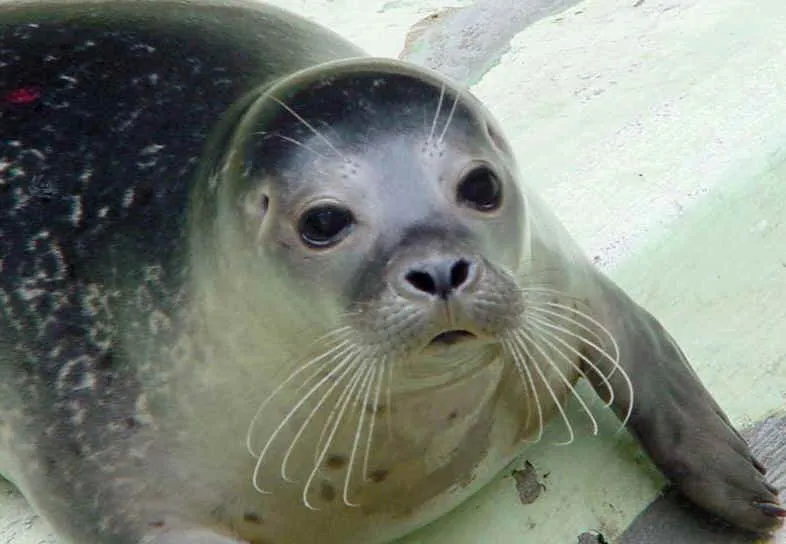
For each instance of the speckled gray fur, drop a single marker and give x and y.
(101, 130)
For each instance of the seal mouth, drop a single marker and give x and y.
(449, 338)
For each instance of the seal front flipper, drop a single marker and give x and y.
(677, 421)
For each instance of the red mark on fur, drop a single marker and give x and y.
(22, 96)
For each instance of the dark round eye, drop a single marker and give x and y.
(325, 225)
(480, 189)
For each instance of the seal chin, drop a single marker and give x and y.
(449, 356)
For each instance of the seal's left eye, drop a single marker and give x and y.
(325, 225)
(480, 189)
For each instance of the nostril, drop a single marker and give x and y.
(422, 281)
(459, 273)
(440, 277)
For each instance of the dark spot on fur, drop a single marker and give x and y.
(76, 449)
(335, 461)
(327, 491)
(252, 517)
(157, 524)
(131, 422)
(144, 195)
(452, 415)
(379, 475)
(50, 463)
(106, 362)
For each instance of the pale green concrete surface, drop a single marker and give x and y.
(657, 132)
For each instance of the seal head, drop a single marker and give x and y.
(386, 200)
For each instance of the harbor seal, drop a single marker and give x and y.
(257, 287)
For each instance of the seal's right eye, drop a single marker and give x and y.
(480, 189)
(325, 225)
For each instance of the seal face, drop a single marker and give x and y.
(258, 288)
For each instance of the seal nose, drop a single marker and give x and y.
(440, 277)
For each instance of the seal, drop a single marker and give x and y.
(257, 287)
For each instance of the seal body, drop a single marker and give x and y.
(259, 288)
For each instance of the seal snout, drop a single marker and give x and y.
(445, 284)
(438, 278)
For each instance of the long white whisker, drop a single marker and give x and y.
(520, 361)
(389, 399)
(593, 321)
(534, 290)
(544, 334)
(293, 141)
(323, 358)
(522, 338)
(362, 401)
(309, 126)
(450, 118)
(331, 422)
(372, 424)
(301, 144)
(544, 290)
(614, 359)
(352, 359)
(332, 414)
(617, 366)
(260, 458)
(436, 113)
(561, 315)
(304, 384)
(342, 332)
(344, 402)
(539, 322)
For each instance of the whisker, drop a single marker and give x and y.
(593, 321)
(615, 359)
(561, 315)
(347, 396)
(323, 440)
(535, 328)
(534, 320)
(520, 363)
(291, 140)
(532, 291)
(389, 399)
(377, 392)
(331, 415)
(522, 338)
(353, 361)
(301, 144)
(362, 401)
(436, 113)
(341, 332)
(309, 126)
(318, 374)
(329, 376)
(450, 117)
(323, 358)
